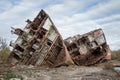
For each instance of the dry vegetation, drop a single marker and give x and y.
(116, 55)
(4, 55)
(4, 50)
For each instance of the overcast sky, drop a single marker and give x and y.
(71, 17)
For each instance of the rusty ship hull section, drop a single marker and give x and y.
(89, 48)
(40, 44)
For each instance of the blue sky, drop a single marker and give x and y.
(71, 17)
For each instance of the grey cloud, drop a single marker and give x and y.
(69, 17)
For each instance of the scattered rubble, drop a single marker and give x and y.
(64, 73)
(40, 44)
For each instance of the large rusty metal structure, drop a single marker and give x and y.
(89, 48)
(40, 44)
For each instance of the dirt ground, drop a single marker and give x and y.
(61, 73)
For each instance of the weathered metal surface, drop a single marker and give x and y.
(39, 43)
(88, 48)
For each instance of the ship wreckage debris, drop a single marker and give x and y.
(40, 44)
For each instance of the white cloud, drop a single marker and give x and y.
(77, 28)
(70, 16)
(112, 34)
(104, 9)
(108, 19)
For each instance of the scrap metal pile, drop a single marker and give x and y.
(40, 44)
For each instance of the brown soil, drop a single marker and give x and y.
(61, 73)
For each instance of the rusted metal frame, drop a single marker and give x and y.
(40, 18)
(53, 54)
(88, 47)
(97, 46)
(19, 55)
(70, 47)
(40, 13)
(39, 49)
(34, 56)
(32, 25)
(39, 30)
(17, 31)
(76, 62)
(45, 37)
(99, 36)
(32, 59)
(55, 28)
(43, 41)
(42, 23)
(39, 27)
(97, 59)
(58, 33)
(36, 32)
(21, 47)
(96, 42)
(91, 32)
(59, 45)
(16, 54)
(20, 36)
(26, 56)
(25, 60)
(72, 50)
(31, 55)
(76, 57)
(22, 60)
(86, 43)
(47, 53)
